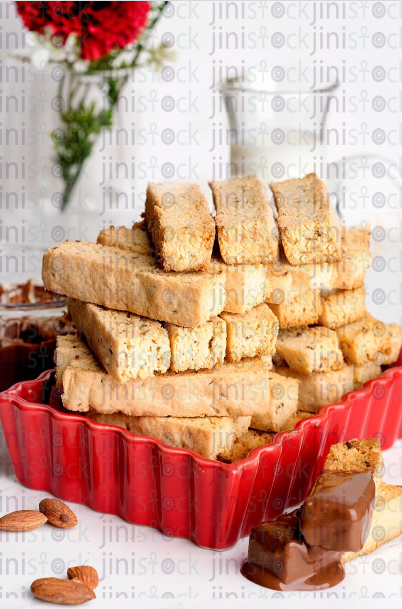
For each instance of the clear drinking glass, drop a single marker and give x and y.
(276, 127)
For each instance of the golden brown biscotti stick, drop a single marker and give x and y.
(295, 418)
(282, 405)
(307, 221)
(247, 231)
(356, 455)
(321, 389)
(251, 334)
(231, 390)
(246, 285)
(386, 522)
(395, 336)
(197, 348)
(128, 346)
(285, 281)
(207, 436)
(245, 443)
(302, 310)
(182, 228)
(364, 340)
(341, 307)
(135, 239)
(352, 267)
(127, 281)
(365, 372)
(310, 350)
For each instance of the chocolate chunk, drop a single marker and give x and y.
(278, 558)
(337, 514)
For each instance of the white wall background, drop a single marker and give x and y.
(361, 40)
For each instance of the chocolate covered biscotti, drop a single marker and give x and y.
(307, 221)
(127, 281)
(246, 228)
(182, 228)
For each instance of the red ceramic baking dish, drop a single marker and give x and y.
(184, 495)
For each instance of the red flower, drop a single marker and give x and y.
(100, 26)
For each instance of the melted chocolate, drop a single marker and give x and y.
(279, 558)
(303, 550)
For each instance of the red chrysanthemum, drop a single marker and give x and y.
(100, 26)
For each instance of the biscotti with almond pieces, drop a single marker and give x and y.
(128, 346)
(307, 221)
(197, 348)
(127, 281)
(284, 281)
(251, 334)
(244, 444)
(207, 436)
(352, 267)
(310, 350)
(282, 404)
(321, 389)
(364, 340)
(341, 307)
(135, 239)
(365, 372)
(182, 228)
(302, 309)
(231, 390)
(395, 336)
(245, 287)
(246, 228)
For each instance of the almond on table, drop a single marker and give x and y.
(245, 223)
(86, 574)
(251, 334)
(310, 350)
(61, 591)
(128, 281)
(58, 513)
(128, 346)
(341, 307)
(22, 520)
(308, 224)
(182, 228)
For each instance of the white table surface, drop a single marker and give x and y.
(165, 572)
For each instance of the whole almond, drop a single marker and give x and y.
(85, 574)
(58, 513)
(61, 591)
(22, 520)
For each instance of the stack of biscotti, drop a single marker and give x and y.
(327, 340)
(157, 354)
